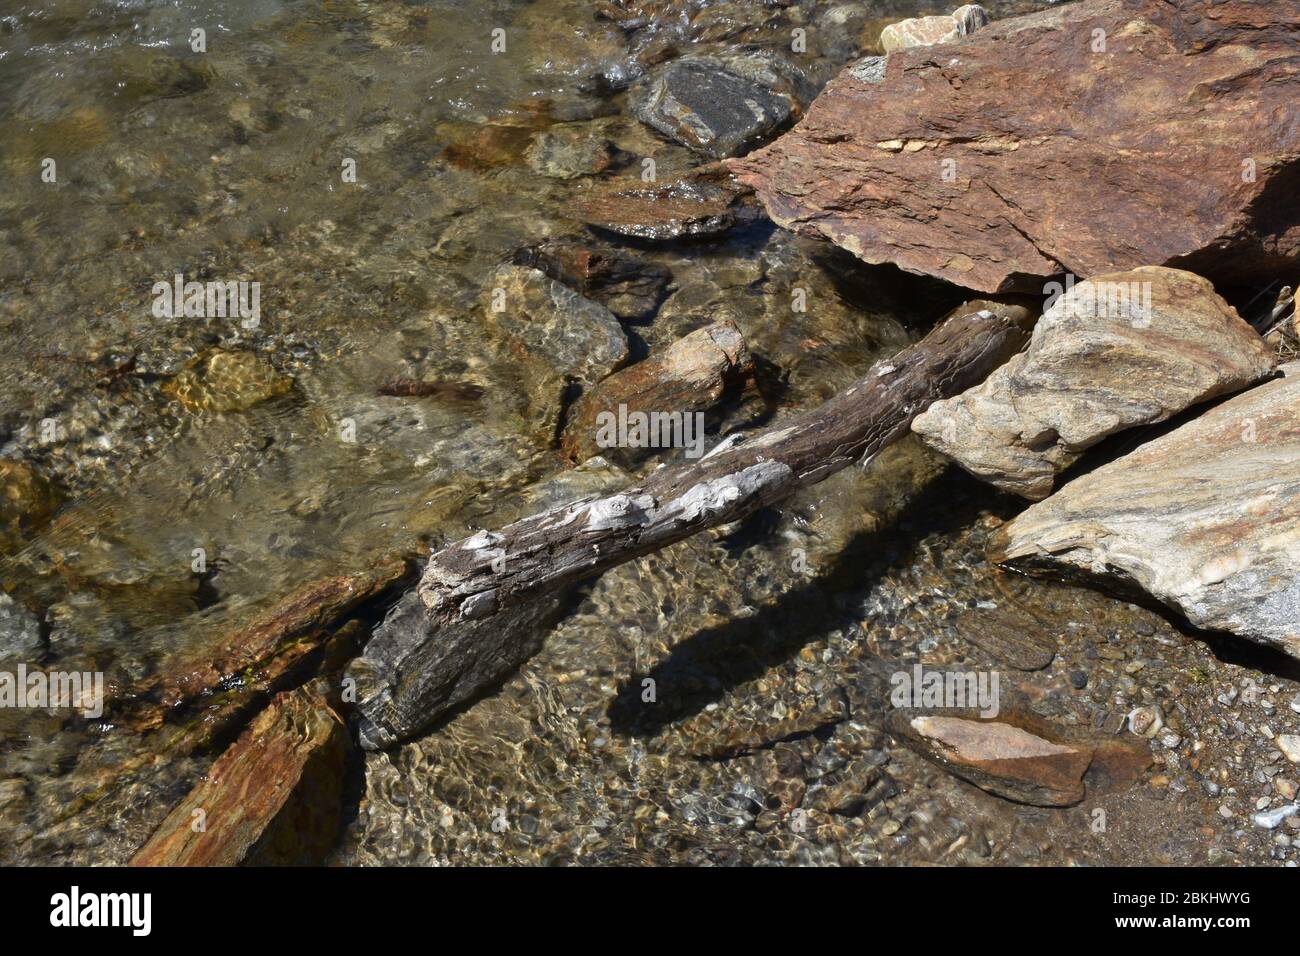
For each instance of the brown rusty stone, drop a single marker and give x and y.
(1024, 151)
(689, 376)
(276, 639)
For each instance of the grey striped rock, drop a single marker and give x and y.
(1102, 359)
(1205, 518)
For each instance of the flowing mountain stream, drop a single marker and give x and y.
(370, 165)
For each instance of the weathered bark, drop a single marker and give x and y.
(481, 603)
(274, 798)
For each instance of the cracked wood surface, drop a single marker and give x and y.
(482, 604)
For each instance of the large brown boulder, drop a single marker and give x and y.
(1097, 136)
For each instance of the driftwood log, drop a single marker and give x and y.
(482, 605)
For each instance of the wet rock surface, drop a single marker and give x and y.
(942, 166)
(1203, 518)
(927, 31)
(1095, 366)
(693, 207)
(688, 377)
(716, 107)
(27, 500)
(1016, 752)
(20, 632)
(227, 382)
(628, 286)
(556, 336)
(999, 757)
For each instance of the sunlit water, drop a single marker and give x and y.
(228, 164)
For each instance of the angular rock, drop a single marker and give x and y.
(689, 376)
(570, 152)
(701, 103)
(627, 286)
(554, 336)
(553, 326)
(1096, 366)
(927, 31)
(693, 207)
(1205, 518)
(274, 798)
(998, 756)
(1184, 154)
(221, 381)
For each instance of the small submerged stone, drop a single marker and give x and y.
(570, 152)
(27, 500)
(628, 286)
(694, 207)
(221, 381)
(20, 631)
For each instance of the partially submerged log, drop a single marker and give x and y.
(482, 603)
(274, 798)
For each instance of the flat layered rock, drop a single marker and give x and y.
(1205, 518)
(1024, 151)
(1118, 351)
(689, 376)
(550, 324)
(274, 798)
(1020, 756)
(998, 756)
(694, 207)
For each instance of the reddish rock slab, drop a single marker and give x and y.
(273, 798)
(1025, 150)
(272, 642)
(1020, 756)
(701, 205)
(689, 376)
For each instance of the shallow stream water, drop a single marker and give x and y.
(767, 640)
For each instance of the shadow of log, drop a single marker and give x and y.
(704, 666)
